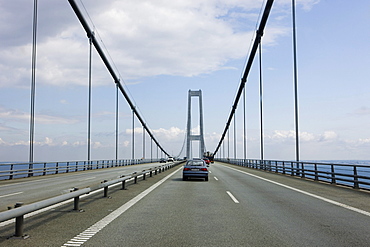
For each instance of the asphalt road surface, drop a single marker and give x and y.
(33, 189)
(236, 207)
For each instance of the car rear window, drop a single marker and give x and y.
(195, 163)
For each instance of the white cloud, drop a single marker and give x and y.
(328, 136)
(144, 38)
(281, 136)
(19, 116)
(172, 133)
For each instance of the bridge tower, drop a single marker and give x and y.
(196, 137)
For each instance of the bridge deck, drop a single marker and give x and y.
(261, 209)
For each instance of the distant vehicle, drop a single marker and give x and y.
(170, 159)
(162, 160)
(209, 156)
(207, 161)
(196, 168)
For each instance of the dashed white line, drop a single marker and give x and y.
(87, 179)
(16, 193)
(216, 178)
(307, 193)
(232, 197)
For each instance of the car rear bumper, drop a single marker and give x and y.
(195, 174)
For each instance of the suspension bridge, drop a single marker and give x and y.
(134, 201)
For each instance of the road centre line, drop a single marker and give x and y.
(216, 178)
(232, 197)
(92, 230)
(16, 193)
(306, 193)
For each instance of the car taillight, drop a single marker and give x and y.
(186, 169)
(203, 169)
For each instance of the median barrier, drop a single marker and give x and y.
(20, 210)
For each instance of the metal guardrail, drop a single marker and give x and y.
(352, 175)
(19, 210)
(18, 170)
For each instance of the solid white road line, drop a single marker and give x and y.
(232, 197)
(16, 193)
(4, 223)
(307, 193)
(92, 230)
(87, 179)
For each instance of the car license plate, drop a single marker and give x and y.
(195, 169)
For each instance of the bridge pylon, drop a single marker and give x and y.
(196, 137)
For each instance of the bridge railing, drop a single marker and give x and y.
(19, 170)
(353, 175)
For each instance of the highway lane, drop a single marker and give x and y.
(28, 190)
(261, 209)
(255, 212)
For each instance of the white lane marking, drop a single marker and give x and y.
(7, 222)
(308, 193)
(16, 193)
(87, 179)
(232, 197)
(92, 230)
(216, 178)
(12, 184)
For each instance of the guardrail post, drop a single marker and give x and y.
(19, 223)
(105, 189)
(144, 175)
(303, 174)
(333, 181)
(11, 171)
(76, 201)
(135, 180)
(44, 173)
(151, 173)
(124, 184)
(316, 173)
(291, 169)
(355, 178)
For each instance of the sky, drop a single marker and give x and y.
(161, 50)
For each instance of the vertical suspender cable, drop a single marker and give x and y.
(228, 144)
(143, 142)
(33, 86)
(235, 136)
(261, 100)
(89, 104)
(117, 127)
(295, 82)
(133, 135)
(245, 125)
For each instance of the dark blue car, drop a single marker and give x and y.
(196, 168)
